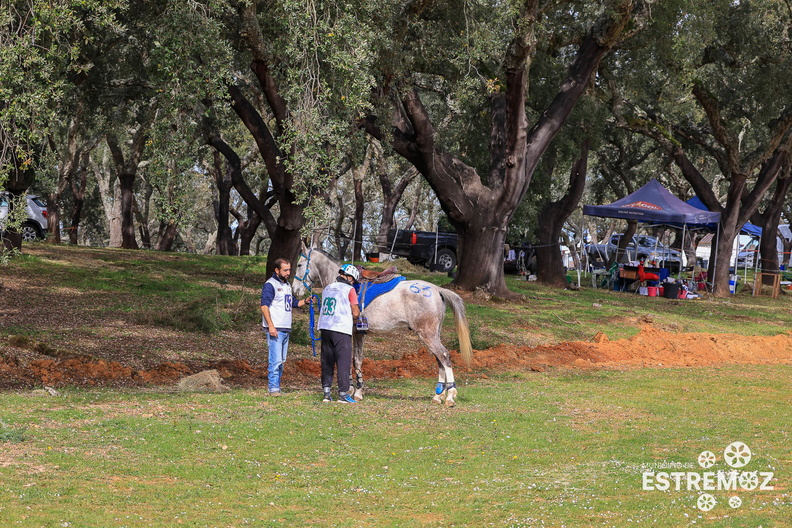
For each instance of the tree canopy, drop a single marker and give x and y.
(290, 115)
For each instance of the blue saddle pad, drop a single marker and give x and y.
(368, 291)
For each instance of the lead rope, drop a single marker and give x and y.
(361, 325)
(312, 324)
(311, 314)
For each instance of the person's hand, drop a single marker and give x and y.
(273, 332)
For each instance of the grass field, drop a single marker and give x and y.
(206, 294)
(561, 447)
(544, 449)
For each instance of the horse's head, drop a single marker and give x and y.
(314, 270)
(303, 281)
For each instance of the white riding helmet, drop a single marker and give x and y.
(352, 271)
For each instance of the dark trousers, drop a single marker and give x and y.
(336, 352)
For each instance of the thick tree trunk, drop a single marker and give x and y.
(285, 244)
(75, 220)
(480, 255)
(549, 262)
(769, 221)
(78, 186)
(142, 216)
(729, 229)
(128, 240)
(247, 231)
(622, 254)
(20, 178)
(126, 168)
(720, 266)
(167, 235)
(110, 198)
(741, 204)
(53, 217)
(391, 196)
(357, 249)
(481, 212)
(211, 244)
(225, 243)
(12, 238)
(115, 218)
(145, 235)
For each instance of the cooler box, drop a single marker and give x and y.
(670, 290)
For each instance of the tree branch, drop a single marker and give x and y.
(264, 139)
(701, 187)
(719, 131)
(605, 34)
(241, 185)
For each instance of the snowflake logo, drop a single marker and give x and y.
(706, 502)
(706, 459)
(737, 454)
(735, 502)
(748, 480)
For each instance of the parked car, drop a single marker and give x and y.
(434, 249)
(36, 225)
(437, 250)
(642, 247)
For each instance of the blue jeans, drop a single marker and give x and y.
(278, 348)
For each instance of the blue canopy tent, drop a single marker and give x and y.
(655, 204)
(747, 229)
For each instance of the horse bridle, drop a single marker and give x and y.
(304, 279)
(308, 286)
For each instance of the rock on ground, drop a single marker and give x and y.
(208, 380)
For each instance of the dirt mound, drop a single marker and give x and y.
(649, 348)
(90, 372)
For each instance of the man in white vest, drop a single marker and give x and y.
(276, 319)
(336, 318)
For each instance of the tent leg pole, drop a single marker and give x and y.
(682, 246)
(715, 260)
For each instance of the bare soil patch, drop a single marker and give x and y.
(651, 347)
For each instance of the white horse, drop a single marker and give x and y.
(413, 304)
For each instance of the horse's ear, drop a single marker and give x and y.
(303, 247)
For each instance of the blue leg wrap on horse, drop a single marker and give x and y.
(440, 387)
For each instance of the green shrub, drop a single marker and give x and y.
(10, 434)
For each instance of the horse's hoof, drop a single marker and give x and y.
(437, 399)
(451, 397)
(357, 395)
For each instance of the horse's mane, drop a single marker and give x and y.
(326, 254)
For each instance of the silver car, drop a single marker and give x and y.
(36, 225)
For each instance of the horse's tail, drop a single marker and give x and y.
(463, 332)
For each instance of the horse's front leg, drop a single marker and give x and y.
(356, 382)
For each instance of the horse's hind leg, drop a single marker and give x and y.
(445, 391)
(440, 387)
(356, 381)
